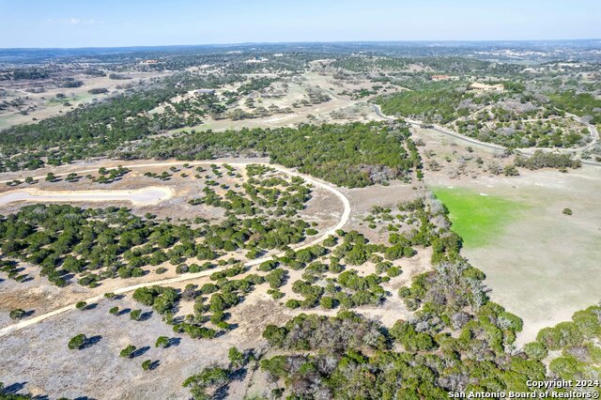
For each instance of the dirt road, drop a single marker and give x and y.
(341, 222)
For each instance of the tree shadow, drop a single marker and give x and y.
(239, 374)
(145, 316)
(124, 311)
(154, 365)
(221, 393)
(91, 341)
(14, 388)
(91, 306)
(140, 351)
(68, 276)
(222, 332)
(174, 341)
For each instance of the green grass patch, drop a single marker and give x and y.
(478, 218)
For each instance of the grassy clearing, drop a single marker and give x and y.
(477, 218)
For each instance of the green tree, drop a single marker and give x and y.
(162, 341)
(77, 342)
(135, 315)
(17, 314)
(128, 351)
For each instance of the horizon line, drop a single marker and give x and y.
(234, 44)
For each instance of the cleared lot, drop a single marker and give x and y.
(144, 196)
(541, 264)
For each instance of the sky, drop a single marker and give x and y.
(110, 23)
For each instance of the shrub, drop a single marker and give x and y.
(128, 352)
(327, 302)
(567, 211)
(135, 315)
(510, 170)
(17, 314)
(536, 350)
(565, 367)
(276, 278)
(146, 365)
(562, 335)
(588, 322)
(162, 299)
(405, 333)
(236, 357)
(293, 303)
(330, 241)
(81, 305)
(253, 253)
(268, 265)
(162, 341)
(275, 294)
(77, 342)
(213, 377)
(541, 159)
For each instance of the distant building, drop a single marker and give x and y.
(441, 77)
(147, 62)
(204, 91)
(479, 86)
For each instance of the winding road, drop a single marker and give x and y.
(436, 128)
(524, 151)
(191, 276)
(342, 221)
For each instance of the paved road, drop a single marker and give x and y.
(525, 151)
(437, 128)
(186, 277)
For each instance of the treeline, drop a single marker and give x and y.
(541, 159)
(96, 129)
(582, 104)
(326, 357)
(30, 73)
(353, 155)
(449, 347)
(515, 134)
(457, 340)
(573, 346)
(399, 65)
(502, 117)
(255, 84)
(434, 102)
